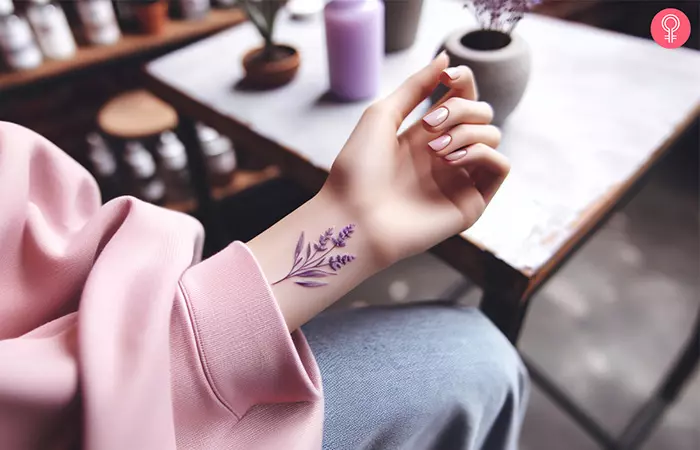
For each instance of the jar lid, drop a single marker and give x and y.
(206, 133)
(169, 144)
(94, 139)
(218, 146)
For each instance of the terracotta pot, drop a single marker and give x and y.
(401, 18)
(151, 17)
(500, 62)
(272, 71)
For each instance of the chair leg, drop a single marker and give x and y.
(646, 419)
(506, 311)
(569, 406)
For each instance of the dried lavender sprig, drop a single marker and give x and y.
(344, 235)
(500, 15)
(338, 261)
(323, 240)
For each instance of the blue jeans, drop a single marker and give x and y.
(421, 377)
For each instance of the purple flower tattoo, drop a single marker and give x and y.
(312, 260)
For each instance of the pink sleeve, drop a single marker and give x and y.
(114, 335)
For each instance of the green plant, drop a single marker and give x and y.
(263, 13)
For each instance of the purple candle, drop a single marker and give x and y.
(355, 40)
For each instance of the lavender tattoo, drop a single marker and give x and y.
(312, 260)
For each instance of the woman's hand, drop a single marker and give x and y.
(388, 196)
(409, 192)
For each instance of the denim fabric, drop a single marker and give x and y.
(420, 377)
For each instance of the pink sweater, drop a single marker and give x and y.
(113, 334)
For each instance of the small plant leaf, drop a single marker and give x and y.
(310, 283)
(257, 18)
(308, 250)
(300, 245)
(314, 273)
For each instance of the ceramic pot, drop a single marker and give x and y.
(401, 18)
(500, 62)
(151, 16)
(270, 71)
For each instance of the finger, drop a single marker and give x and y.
(415, 89)
(487, 167)
(454, 111)
(464, 135)
(461, 82)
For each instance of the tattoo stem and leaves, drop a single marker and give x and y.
(313, 260)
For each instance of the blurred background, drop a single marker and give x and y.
(605, 329)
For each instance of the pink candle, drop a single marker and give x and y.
(355, 41)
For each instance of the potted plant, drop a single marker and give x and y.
(151, 15)
(499, 58)
(271, 65)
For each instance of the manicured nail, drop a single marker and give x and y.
(452, 72)
(440, 54)
(440, 143)
(454, 156)
(436, 117)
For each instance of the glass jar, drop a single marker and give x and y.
(145, 183)
(176, 175)
(193, 9)
(51, 28)
(17, 44)
(104, 166)
(100, 21)
(219, 155)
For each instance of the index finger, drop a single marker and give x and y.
(414, 90)
(461, 82)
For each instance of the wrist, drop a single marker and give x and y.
(376, 242)
(315, 255)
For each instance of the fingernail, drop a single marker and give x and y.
(454, 156)
(439, 55)
(438, 144)
(452, 72)
(436, 117)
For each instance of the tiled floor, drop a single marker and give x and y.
(609, 324)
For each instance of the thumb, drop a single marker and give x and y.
(415, 89)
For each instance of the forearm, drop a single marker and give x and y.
(313, 280)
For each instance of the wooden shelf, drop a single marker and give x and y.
(242, 179)
(129, 45)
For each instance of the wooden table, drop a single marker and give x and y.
(600, 110)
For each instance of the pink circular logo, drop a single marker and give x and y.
(670, 28)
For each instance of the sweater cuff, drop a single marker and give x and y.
(247, 353)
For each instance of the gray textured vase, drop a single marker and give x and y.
(501, 66)
(401, 18)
